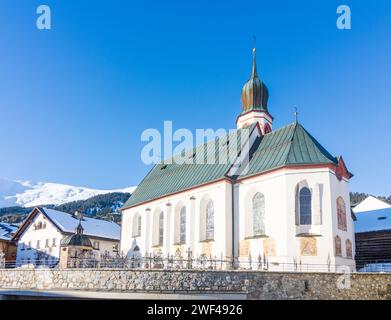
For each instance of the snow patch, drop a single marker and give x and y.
(29, 194)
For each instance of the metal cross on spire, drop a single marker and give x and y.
(254, 69)
(254, 43)
(296, 115)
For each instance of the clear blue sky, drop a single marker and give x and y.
(74, 100)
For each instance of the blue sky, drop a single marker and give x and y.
(74, 100)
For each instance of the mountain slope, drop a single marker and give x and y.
(30, 194)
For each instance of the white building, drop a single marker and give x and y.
(40, 235)
(292, 204)
(370, 204)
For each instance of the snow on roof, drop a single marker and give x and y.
(369, 204)
(7, 230)
(92, 227)
(375, 220)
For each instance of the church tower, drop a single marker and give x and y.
(254, 102)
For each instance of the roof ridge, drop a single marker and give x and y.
(294, 124)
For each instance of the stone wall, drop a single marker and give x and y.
(255, 284)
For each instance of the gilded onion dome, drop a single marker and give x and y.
(254, 92)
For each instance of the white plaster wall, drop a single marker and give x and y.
(105, 246)
(219, 192)
(341, 188)
(279, 191)
(32, 235)
(50, 232)
(278, 187)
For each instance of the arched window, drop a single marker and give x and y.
(341, 213)
(139, 225)
(338, 249)
(161, 228)
(136, 232)
(349, 251)
(210, 226)
(258, 214)
(305, 206)
(182, 225)
(267, 128)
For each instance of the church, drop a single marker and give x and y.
(290, 205)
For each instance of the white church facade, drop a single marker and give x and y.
(290, 204)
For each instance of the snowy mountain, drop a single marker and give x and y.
(29, 194)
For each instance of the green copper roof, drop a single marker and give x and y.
(291, 145)
(77, 240)
(166, 179)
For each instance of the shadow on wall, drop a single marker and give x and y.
(35, 258)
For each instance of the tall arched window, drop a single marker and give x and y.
(161, 228)
(305, 206)
(139, 225)
(136, 225)
(210, 226)
(258, 214)
(182, 225)
(341, 213)
(338, 247)
(349, 251)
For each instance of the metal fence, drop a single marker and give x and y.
(202, 262)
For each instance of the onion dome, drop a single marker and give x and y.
(77, 240)
(254, 92)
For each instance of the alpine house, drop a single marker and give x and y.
(44, 231)
(289, 202)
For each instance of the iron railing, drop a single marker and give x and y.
(202, 262)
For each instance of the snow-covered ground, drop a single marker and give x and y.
(29, 194)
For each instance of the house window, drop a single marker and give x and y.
(182, 225)
(29, 246)
(47, 243)
(349, 251)
(258, 214)
(38, 244)
(39, 225)
(210, 227)
(23, 246)
(161, 228)
(44, 225)
(341, 213)
(338, 249)
(53, 242)
(305, 206)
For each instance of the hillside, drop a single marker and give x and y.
(24, 193)
(104, 206)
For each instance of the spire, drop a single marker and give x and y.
(254, 100)
(254, 73)
(254, 69)
(254, 92)
(79, 229)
